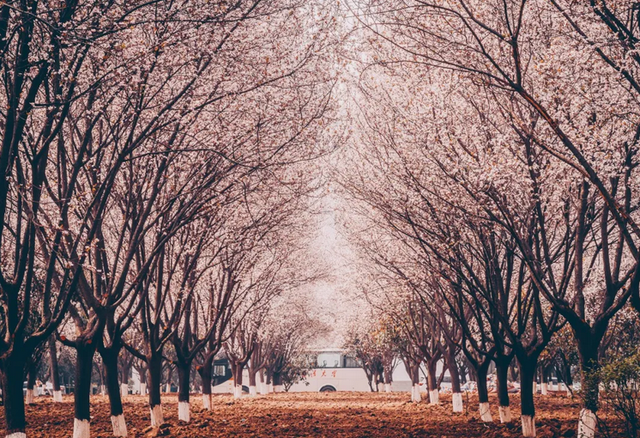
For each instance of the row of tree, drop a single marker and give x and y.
(153, 191)
(496, 172)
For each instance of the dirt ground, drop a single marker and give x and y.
(338, 414)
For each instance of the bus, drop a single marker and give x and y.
(335, 370)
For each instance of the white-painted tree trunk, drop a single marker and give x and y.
(156, 416)
(184, 411)
(29, 397)
(278, 388)
(237, 391)
(587, 424)
(103, 390)
(167, 387)
(456, 399)
(528, 426)
(270, 388)
(80, 428)
(17, 435)
(544, 388)
(485, 412)
(143, 389)
(535, 387)
(118, 425)
(57, 396)
(387, 387)
(264, 388)
(434, 397)
(206, 401)
(417, 397)
(252, 391)
(505, 414)
(124, 389)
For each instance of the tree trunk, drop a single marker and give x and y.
(124, 381)
(369, 377)
(236, 371)
(502, 371)
(82, 393)
(415, 384)
(252, 382)
(483, 393)
(110, 361)
(12, 377)
(184, 374)
(434, 396)
(31, 381)
(263, 383)
(206, 376)
(565, 374)
(456, 397)
(568, 379)
(277, 381)
(589, 364)
(269, 381)
(55, 372)
(387, 375)
(142, 372)
(155, 381)
(102, 373)
(167, 387)
(513, 370)
(544, 380)
(527, 407)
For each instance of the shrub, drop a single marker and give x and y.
(620, 395)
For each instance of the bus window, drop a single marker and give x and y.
(329, 360)
(351, 362)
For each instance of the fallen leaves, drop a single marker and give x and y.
(339, 414)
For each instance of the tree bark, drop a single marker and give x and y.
(155, 381)
(565, 374)
(252, 381)
(483, 393)
(31, 380)
(54, 370)
(589, 364)
(502, 372)
(110, 361)
(387, 376)
(206, 375)
(527, 407)
(12, 377)
(82, 393)
(277, 381)
(432, 366)
(184, 377)
(415, 383)
(169, 379)
(544, 381)
(456, 391)
(513, 370)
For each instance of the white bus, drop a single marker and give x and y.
(337, 371)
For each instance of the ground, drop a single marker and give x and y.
(338, 414)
